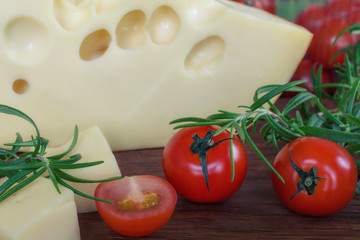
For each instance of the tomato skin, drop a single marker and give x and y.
(333, 162)
(140, 222)
(183, 170)
(311, 17)
(340, 8)
(322, 48)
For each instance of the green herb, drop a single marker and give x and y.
(21, 168)
(305, 114)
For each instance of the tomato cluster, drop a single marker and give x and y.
(326, 22)
(202, 167)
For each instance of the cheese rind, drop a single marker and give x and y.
(39, 212)
(130, 67)
(92, 146)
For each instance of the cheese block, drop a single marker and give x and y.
(132, 66)
(39, 212)
(92, 146)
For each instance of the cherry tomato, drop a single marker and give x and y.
(184, 171)
(141, 204)
(322, 48)
(311, 17)
(266, 5)
(340, 8)
(303, 72)
(336, 176)
(354, 16)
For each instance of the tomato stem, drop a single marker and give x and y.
(200, 146)
(308, 180)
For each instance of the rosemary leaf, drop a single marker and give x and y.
(62, 182)
(33, 166)
(273, 93)
(22, 184)
(257, 151)
(71, 147)
(296, 101)
(352, 119)
(208, 123)
(190, 119)
(72, 159)
(71, 178)
(12, 111)
(232, 154)
(17, 177)
(74, 166)
(336, 136)
(327, 113)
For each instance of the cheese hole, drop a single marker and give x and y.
(205, 56)
(72, 14)
(130, 31)
(164, 25)
(204, 12)
(20, 86)
(95, 45)
(26, 40)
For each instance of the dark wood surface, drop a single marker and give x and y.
(254, 212)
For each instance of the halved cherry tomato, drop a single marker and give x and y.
(183, 168)
(326, 169)
(141, 204)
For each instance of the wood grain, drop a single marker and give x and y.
(254, 212)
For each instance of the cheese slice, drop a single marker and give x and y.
(92, 146)
(132, 66)
(39, 212)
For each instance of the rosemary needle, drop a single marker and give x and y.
(21, 168)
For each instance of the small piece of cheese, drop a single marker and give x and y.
(132, 66)
(92, 146)
(39, 212)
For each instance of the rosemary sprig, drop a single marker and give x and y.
(21, 168)
(305, 114)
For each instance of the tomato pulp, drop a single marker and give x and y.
(335, 167)
(141, 204)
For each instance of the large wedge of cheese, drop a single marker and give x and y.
(132, 66)
(39, 212)
(92, 146)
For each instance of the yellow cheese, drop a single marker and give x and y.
(39, 212)
(92, 146)
(132, 66)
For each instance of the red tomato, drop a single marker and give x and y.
(183, 169)
(336, 172)
(354, 16)
(266, 5)
(141, 204)
(322, 48)
(303, 72)
(340, 8)
(311, 17)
